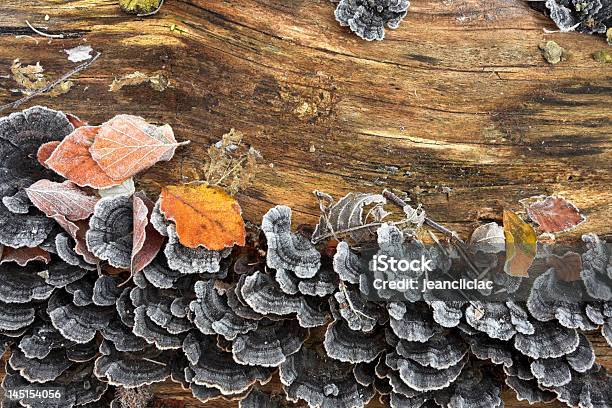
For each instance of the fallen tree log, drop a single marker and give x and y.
(456, 107)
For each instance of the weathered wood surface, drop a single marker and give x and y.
(458, 96)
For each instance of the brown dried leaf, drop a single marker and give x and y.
(567, 267)
(231, 163)
(554, 213)
(204, 215)
(72, 160)
(24, 255)
(158, 81)
(32, 78)
(61, 198)
(126, 145)
(146, 240)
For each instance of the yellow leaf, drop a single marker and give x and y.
(204, 215)
(521, 242)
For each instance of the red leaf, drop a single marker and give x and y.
(146, 240)
(554, 214)
(127, 144)
(61, 198)
(77, 231)
(24, 255)
(72, 160)
(45, 150)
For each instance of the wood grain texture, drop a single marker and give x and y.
(458, 96)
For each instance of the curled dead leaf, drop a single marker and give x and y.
(146, 241)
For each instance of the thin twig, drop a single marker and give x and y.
(357, 228)
(161, 3)
(42, 33)
(49, 87)
(454, 238)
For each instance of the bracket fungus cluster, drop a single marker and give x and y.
(586, 16)
(106, 291)
(368, 18)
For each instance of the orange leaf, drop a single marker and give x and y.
(72, 160)
(204, 215)
(521, 241)
(126, 145)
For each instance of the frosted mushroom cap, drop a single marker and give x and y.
(342, 343)
(131, 370)
(264, 296)
(75, 323)
(346, 263)
(422, 378)
(597, 268)
(217, 368)
(15, 316)
(270, 343)
(23, 230)
(192, 260)
(441, 351)
(22, 285)
(110, 231)
(288, 250)
(21, 134)
(212, 315)
(324, 383)
(39, 370)
(550, 340)
(529, 390)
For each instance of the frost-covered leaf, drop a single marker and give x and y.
(346, 216)
(127, 145)
(146, 241)
(61, 198)
(126, 188)
(521, 243)
(45, 150)
(554, 214)
(72, 160)
(203, 215)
